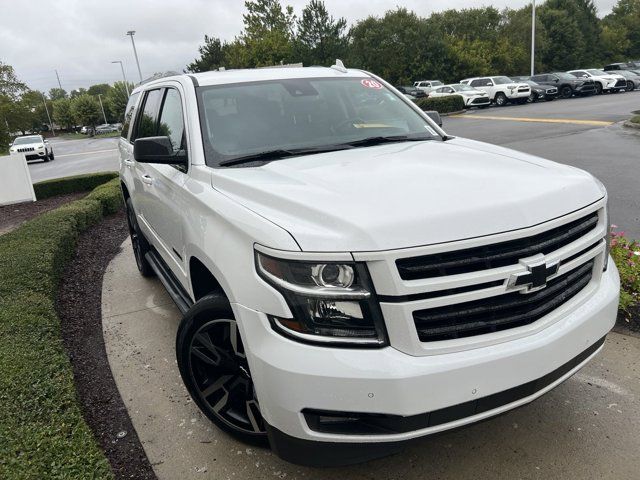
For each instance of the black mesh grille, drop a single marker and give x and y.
(494, 255)
(499, 312)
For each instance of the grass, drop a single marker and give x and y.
(80, 136)
(42, 431)
(635, 119)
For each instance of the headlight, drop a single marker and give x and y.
(331, 302)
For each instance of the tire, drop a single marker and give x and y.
(598, 88)
(630, 86)
(214, 368)
(138, 242)
(500, 99)
(532, 98)
(51, 155)
(566, 92)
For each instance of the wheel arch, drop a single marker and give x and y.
(202, 280)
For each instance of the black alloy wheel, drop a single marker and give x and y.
(138, 242)
(630, 86)
(598, 88)
(215, 370)
(533, 97)
(566, 92)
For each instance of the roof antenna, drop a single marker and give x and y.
(339, 66)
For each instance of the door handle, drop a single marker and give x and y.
(147, 179)
(128, 163)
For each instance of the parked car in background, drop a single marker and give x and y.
(538, 92)
(471, 96)
(427, 85)
(85, 130)
(632, 78)
(568, 85)
(501, 90)
(605, 82)
(618, 66)
(413, 91)
(34, 147)
(105, 128)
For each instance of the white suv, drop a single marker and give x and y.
(427, 86)
(605, 81)
(350, 275)
(34, 147)
(501, 90)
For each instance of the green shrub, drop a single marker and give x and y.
(41, 426)
(452, 103)
(626, 254)
(78, 183)
(635, 119)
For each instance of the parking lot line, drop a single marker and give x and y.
(595, 123)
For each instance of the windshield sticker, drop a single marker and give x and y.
(367, 82)
(430, 130)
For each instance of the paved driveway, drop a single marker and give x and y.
(587, 428)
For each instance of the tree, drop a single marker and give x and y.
(320, 38)
(77, 92)
(565, 44)
(99, 89)
(212, 55)
(625, 16)
(9, 83)
(116, 101)
(62, 113)
(86, 110)
(57, 93)
(268, 32)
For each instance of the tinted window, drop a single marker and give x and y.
(440, 90)
(171, 120)
(147, 119)
(539, 78)
(128, 114)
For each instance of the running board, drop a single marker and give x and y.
(170, 282)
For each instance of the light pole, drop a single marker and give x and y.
(105, 117)
(123, 75)
(131, 33)
(58, 77)
(533, 36)
(44, 100)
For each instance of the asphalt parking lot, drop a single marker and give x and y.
(74, 157)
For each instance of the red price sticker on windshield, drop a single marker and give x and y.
(367, 82)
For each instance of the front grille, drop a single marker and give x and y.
(26, 149)
(523, 89)
(501, 312)
(621, 83)
(480, 100)
(495, 255)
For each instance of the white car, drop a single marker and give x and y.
(501, 90)
(350, 276)
(605, 82)
(427, 85)
(471, 96)
(34, 147)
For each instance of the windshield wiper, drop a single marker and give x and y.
(371, 141)
(279, 153)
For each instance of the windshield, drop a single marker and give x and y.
(242, 120)
(462, 88)
(436, 83)
(565, 76)
(502, 80)
(26, 140)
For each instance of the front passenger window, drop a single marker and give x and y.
(171, 120)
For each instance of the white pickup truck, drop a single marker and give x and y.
(350, 275)
(501, 90)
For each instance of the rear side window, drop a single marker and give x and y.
(128, 114)
(478, 83)
(148, 118)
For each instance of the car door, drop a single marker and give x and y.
(165, 209)
(483, 84)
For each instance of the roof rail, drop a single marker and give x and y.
(158, 76)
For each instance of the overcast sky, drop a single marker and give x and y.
(80, 38)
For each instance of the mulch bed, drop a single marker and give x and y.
(79, 309)
(12, 216)
(629, 324)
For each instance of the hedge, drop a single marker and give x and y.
(451, 103)
(635, 119)
(78, 183)
(42, 431)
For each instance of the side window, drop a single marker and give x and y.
(488, 82)
(477, 83)
(128, 114)
(171, 119)
(448, 90)
(439, 90)
(148, 118)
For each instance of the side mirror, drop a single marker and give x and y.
(435, 116)
(157, 150)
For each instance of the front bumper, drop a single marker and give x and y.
(292, 377)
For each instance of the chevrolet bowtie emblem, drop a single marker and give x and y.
(535, 277)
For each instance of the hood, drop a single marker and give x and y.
(472, 93)
(406, 194)
(27, 145)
